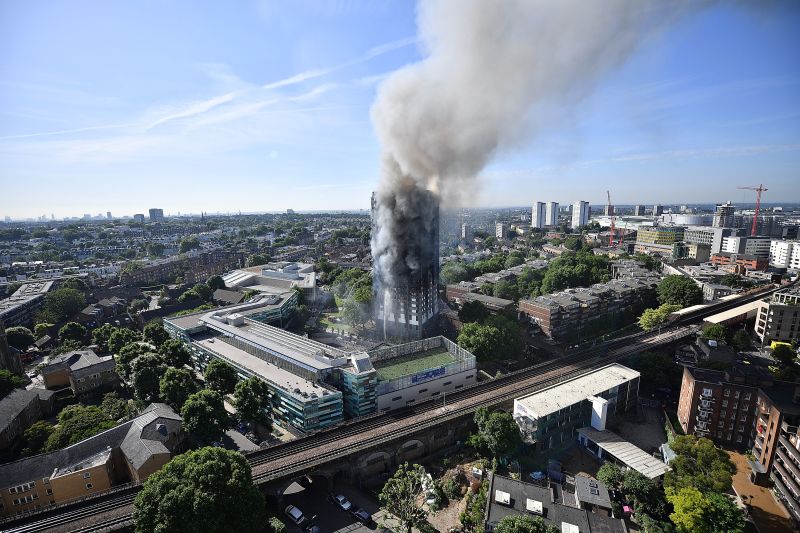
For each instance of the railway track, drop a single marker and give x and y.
(328, 445)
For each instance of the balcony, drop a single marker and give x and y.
(792, 503)
(788, 463)
(787, 479)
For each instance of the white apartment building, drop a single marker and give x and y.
(551, 215)
(500, 230)
(757, 246)
(580, 214)
(780, 252)
(538, 215)
(779, 318)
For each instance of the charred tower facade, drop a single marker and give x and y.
(406, 272)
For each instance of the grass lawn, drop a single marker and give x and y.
(411, 364)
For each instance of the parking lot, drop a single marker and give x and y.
(312, 498)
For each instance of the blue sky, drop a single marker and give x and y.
(262, 106)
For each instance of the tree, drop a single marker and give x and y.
(679, 290)
(251, 398)
(175, 353)
(784, 355)
(155, 334)
(643, 491)
(72, 331)
(19, 337)
(127, 355)
(116, 407)
(176, 385)
(354, 313)
(658, 370)
(610, 475)
(497, 433)
(741, 340)
(656, 317)
(506, 290)
(481, 341)
(8, 382)
(454, 272)
(698, 512)
(120, 337)
(204, 416)
(220, 376)
(208, 490)
(717, 332)
(68, 345)
(147, 371)
(155, 249)
(216, 282)
(698, 464)
(203, 290)
(189, 243)
(40, 329)
(473, 311)
(138, 304)
(524, 524)
(36, 436)
(257, 259)
(101, 336)
(400, 496)
(76, 423)
(513, 260)
(61, 304)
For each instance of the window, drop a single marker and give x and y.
(446, 383)
(397, 398)
(724, 403)
(423, 390)
(727, 392)
(88, 486)
(739, 438)
(459, 386)
(87, 475)
(49, 491)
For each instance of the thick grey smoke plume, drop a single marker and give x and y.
(492, 71)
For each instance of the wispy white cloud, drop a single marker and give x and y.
(67, 131)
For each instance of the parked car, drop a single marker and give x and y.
(311, 528)
(342, 502)
(363, 516)
(295, 514)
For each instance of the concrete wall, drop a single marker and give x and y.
(434, 388)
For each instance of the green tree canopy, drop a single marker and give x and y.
(204, 416)
(76, 423)
(120, 337)
(116, 407)
(700, 465)
(711, 512)
(61, 304)
(176, 385)
(679, 290)
(473, 311)
(497, 434)
(40, 329)
(155, 334)
(127, 355)
(611, 475)
(717, 332)
(8, 382)
(497, 338)
(216, 282)
(784, 355)
(741, 340)
(19, 337)
(257, 259)
(101, 336)
(175, 353)
(656, 317)
(36, 436)
(220, 376)
(207, 490)
(506, 290)
(524, 524)
(453, 272)
(251, 398)
(401, 496)
(189, 243)
(147, 371)
(658, 370)
(72, 331)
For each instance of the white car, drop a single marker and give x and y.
(342, 502)
(295, 514)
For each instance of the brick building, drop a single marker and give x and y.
(82, 370)
(19, 411)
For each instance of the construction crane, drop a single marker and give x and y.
(611, 235)
(758, 190)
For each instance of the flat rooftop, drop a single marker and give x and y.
(276, 376)
(562, 395)
(626, 452)
(406, 365)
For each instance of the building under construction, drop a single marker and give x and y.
(406, 297)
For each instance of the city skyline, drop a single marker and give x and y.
(276, 113)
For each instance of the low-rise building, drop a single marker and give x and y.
(275, 278)
(19, 410)
(193, 267)
(83, 371)
(778, 318)
(713, 291)
(19, 308)
(749, 262)
(658, 239)
(552, 416)
(129, 452)
(555, 506)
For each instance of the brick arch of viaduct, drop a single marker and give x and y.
(383, 459)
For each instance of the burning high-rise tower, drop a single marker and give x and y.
(405, 243)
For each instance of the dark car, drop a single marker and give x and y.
(363, 516)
